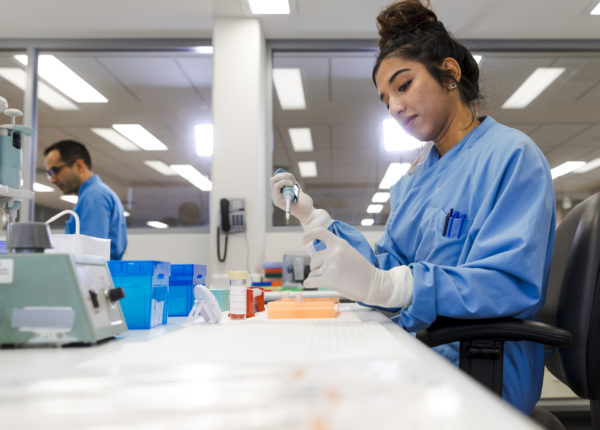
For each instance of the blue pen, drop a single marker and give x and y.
(458, 216)
(455, 214)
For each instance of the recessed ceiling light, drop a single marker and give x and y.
(477, 58)
(204, 136)
(191, 174)
(566, 167)
(396, 139)
(301, 139)
(393, 173)
(160, 167)
(140, 136)
(590, 165)
(288, 86)
(65, 80)
(41, 188)
(70, 198)
(308, 169)
(367, 221)
(595, 10)
(204, 49)
(269, 7)
(156, 224)
(533, 86)
(374, 209)
(117, 139)
(126, 214)
(380, 197)
(18, 77)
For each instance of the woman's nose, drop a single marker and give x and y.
(396, 106)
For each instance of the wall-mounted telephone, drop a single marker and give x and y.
(232, 215)
(233, 220)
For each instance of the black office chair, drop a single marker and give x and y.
(569, 319)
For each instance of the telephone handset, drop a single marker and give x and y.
(232, 221)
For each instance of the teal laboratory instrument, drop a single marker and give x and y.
(54, 298)
(47, 298)
(289, 194)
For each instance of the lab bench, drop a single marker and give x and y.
(357, 371)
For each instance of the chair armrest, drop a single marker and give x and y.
(445, 330)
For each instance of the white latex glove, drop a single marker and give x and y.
(303, 209)
(342, 268)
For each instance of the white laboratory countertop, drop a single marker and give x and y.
(357, 371)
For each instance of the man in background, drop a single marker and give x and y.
(101, 214)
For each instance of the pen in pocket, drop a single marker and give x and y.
(446, 222)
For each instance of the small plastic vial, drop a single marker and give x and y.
(238, 294)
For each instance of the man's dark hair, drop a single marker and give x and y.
(70, 151)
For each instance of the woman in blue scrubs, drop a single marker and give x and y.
(471, 227)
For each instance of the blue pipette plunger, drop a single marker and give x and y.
(289, 194)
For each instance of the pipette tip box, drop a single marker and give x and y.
(312, 307)
(183, 279)
(146, 285)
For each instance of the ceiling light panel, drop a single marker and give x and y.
(532, 87)
(204, 135)
(269, 7)
(117, 139)
(590, 165)
(70, 198)
(565, 168)
(380, 197)
(308, 169)
(393, 173)
(289, 89)
(192, 175)
(156, 224)
(18, 77)
(367, 221)
(140, 136)
(160, 167)
(301, 139)
(65, 80)
(41, 188)
(374, 209)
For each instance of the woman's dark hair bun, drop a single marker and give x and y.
(401, 18)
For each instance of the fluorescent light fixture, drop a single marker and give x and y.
(190, 173)
(396, 139)
(204, 135)
(41, 188)
(566, 167)
(140, 136)
(65, 80)
(393, 173)
(288, 86)
(367, 221)
(18, 77)
(204, 49)
(477, 58)
(374, 209)
(126, 214)
(380, 197)
(269, 7)
(595, 10)
(590, 165)
(70, 198)
(156, 224)
(160, 167)
(301, 139)
(533, 86)
(117, 139)
(308, 169)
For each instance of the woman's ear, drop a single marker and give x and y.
(451, 65)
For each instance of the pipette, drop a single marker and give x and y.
(289, 194)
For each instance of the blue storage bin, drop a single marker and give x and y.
(146, 285)
(181, 287)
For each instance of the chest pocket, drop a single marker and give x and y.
(435, 247)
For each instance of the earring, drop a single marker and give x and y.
(452, 85)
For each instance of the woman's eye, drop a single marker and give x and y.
(404, 86)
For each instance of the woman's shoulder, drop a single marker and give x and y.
(500, 140)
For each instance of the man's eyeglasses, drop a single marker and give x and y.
(53, 171)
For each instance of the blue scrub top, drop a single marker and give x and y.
(494, 257)
(101, 214)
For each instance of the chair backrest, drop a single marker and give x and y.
(573, 298)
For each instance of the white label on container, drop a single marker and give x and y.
(6, 270)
